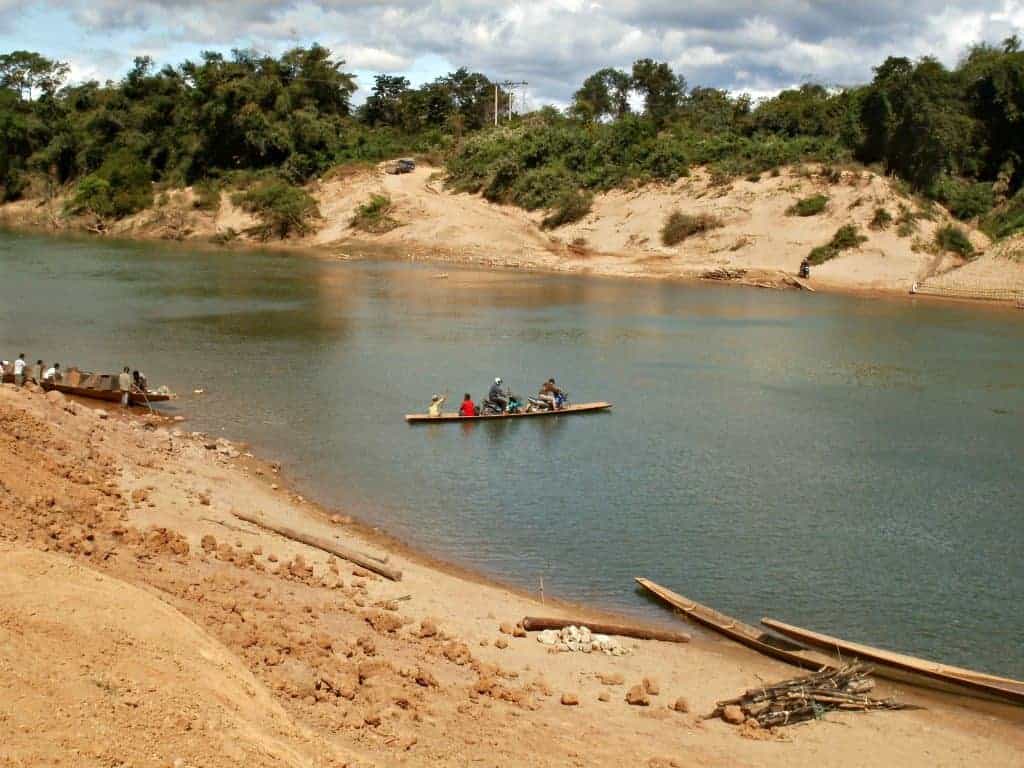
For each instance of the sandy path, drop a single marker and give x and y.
(287, 652)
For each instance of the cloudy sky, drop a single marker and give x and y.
(741, 45)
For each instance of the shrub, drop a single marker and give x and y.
(207, 195)
(964, 200)
(283, 209)
(1006, 220)
(541, 187)
(121, 186)
(570, 206)
(951, 238)
(907, 221)
(881, 220)
(845, 238)
(679, 226)
(13, 186)
(374, 215)
(808, 206)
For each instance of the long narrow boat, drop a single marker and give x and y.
(109, 395)
(908, 668)
(770, 645)
(424, 418)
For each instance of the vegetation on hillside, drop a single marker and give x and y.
(374, 215)
(955, 136)
(679, 226)
(283, 209)
(808, 206)
(845, 238)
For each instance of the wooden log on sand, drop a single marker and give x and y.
(537, 624)
(320, 542)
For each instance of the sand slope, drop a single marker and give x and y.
(104, 673)
(621, 236)
(173, 630)
(758, 243)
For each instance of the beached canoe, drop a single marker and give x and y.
(109, 395)
(423, 418)
(909, 668)
(810, 650)
(764, 642)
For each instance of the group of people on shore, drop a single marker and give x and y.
(128, 381)
(500, 399)
(24, 373)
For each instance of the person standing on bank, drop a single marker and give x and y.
(19, 370)
(124, 383)
(37, 372)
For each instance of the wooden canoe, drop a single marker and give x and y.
(909, 668)
(770, 645)
(423, 418)
(109, 395)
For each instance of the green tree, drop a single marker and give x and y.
(384, 105)
(661, 88)
(603, 95)
(25, 71)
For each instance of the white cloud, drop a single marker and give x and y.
(554, 44)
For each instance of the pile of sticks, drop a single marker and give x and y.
(809, 697)
(723, 273)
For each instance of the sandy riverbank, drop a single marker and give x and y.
(756, 244)
(131, 599)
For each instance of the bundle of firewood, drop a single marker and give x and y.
(806, 698)
(723, 273)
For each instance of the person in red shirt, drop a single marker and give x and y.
(467, 408)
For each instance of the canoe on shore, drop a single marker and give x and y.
(109, 395)
(810, 650)
(423, 418)
(909, 668)
(764, 642)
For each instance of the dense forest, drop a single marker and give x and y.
(952, 135)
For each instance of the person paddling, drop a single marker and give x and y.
(434, 409)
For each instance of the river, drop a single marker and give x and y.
(850, 465)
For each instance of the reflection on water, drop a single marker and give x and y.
(844, 464)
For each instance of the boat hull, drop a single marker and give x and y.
(569, 410)
(763, 642)
(107, 395)
(897, 666)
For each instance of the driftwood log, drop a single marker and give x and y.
(537, 624)
(321, 542)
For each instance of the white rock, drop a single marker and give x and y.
(548, 637)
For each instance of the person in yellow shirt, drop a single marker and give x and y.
(434, 409)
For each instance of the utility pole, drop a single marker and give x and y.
(509, 85)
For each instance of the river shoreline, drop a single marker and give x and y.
(355, 250)
(63, 450)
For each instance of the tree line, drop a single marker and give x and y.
(953, 134)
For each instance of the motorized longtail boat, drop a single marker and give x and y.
(424, 418)
(109, 395)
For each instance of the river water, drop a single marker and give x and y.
(848, 465)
